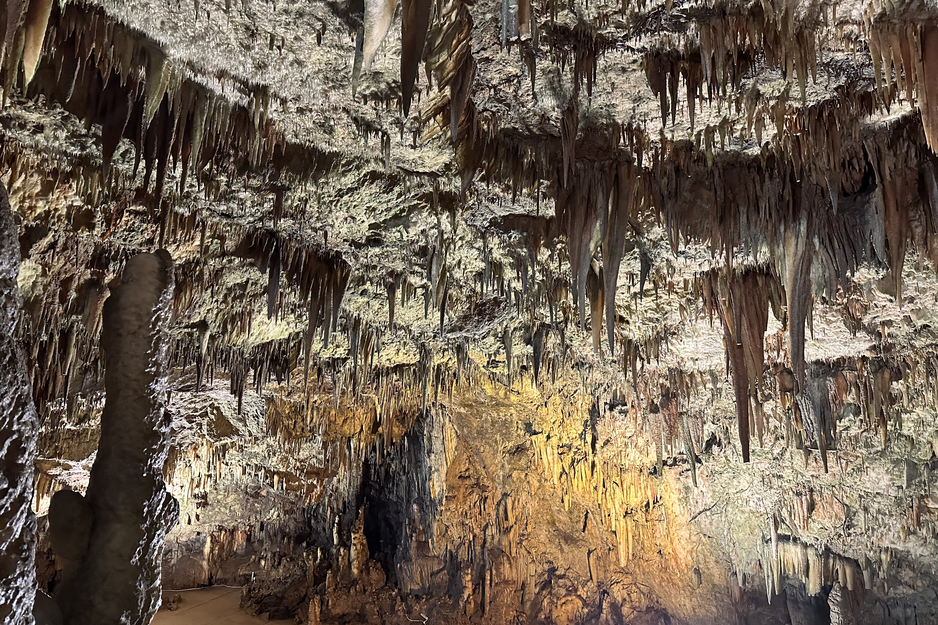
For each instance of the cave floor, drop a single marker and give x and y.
(209, 606)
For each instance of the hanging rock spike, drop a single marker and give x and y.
(415, 22)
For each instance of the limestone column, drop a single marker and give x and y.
(117, 580)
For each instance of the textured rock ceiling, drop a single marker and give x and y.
(631, 317)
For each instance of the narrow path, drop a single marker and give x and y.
(209, 606)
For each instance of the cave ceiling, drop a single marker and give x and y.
(631, 239)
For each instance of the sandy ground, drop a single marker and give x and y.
(209, 606)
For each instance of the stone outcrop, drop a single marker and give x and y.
(18, 433)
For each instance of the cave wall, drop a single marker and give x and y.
(19, 426)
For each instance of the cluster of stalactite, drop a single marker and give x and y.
(742, 302)
(619, 493)
(106, 73)
(857, 202)
(617, 490)
(905, 60)
(728, 42)
(598, 207)
(415, 23)
(824, 197)
(450, 529)
(789, 558)
(112, 75)
(65, 317)
(860, 204)
(449, 55)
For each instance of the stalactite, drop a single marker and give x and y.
(594, 283)
(689, 449)
(742, 302)
(11, 19)
(507, 343)
(273, 282)
(37, 17)
(525, 23)
(537, 349)
(797, 276)
(614, 242)
(378, 16)
(415, 22)
(449, 55)
(569, 123)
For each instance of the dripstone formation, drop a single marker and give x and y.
(503, 311)
(110, 541)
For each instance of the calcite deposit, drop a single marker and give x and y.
(501, 311)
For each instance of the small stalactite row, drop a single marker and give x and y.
(112, 75)
(905, 62)
(619, 492)
(788, 557)
(725, 45)
(771, 30)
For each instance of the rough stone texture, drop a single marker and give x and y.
(117, 578)
(18, 432)
(391, 401)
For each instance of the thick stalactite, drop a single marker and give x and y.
(742, 302)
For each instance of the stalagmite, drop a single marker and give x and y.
(18, 434)
(118, 578)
